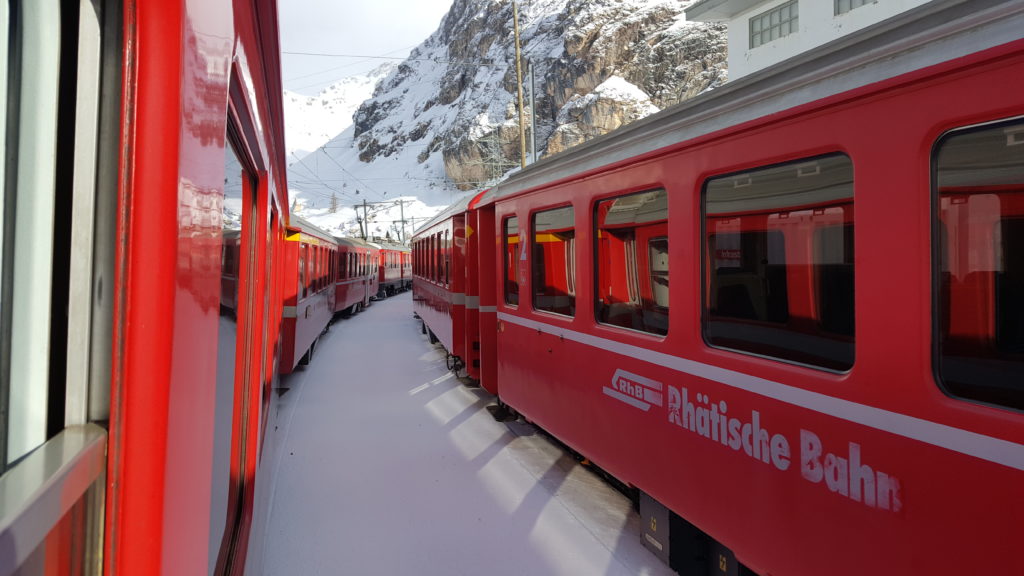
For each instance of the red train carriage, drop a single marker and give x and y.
(406, 270)
(142, 248)
(832, 381)
(446, 287)
(356, 281)
(391, 269)
(438, 297)
(310, 257)
(444, 297)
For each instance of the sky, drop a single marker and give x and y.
(355, 28)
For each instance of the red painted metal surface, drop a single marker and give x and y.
(439, 296)
(357, 279)
(191, 69)
(392, 273)
(309, 295)
(858, 498)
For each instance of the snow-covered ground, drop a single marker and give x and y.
(385, 464)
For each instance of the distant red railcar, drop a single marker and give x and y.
(392, 276)
(442, 247)
(406, 257)
(357, 279)
(833, 380)
(310, 259)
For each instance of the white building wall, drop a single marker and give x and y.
(818, 25)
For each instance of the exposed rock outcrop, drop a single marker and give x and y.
(598, 65)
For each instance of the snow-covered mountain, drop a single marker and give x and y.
(311, 121)
(444, 122)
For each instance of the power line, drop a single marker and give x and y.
(369, 57)
(345, 65)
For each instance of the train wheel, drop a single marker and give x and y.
(431, 337)
(423, 327)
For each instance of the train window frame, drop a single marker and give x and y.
(509, 264)
(30, 195)
(986, 366)
(537, 263)
(633, 304)
(241, 372)
(833, 353)
(61, 146)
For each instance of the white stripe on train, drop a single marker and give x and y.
(963, 441)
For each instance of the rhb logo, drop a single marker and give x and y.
(635, 390)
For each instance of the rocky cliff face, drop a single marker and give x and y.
(597, 65)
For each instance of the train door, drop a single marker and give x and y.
(238, 341)
(487, 266)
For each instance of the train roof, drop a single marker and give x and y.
(393, 246)
(930, 34)
(303, 225)
(355, 243)
(458, 206)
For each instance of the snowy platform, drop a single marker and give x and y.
(384, 463)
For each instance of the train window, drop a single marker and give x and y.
(833, 257)
(58, 223)
(314, 269)
(435, 257)
(512, 255)
(553, 263)
(29, 124)
(447, 259)
(631, 261)
(979, 190)
(779, 274)
(302, 271)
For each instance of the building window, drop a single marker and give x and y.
(779, 274)
(979, 191)
(554, 271)
(844, 6)
(780, 21)
(631, 261)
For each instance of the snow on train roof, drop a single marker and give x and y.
(459, 205)
(393, 246)
(355, 243)
(300, 223)
(933, 33)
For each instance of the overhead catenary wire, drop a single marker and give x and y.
(532, 45)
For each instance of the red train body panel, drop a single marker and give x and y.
(357, 280)
(194, 110)
(394, 269)
(407, 269)
(445, 297)
(310, 259)
(148, 129)
(831, 381)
